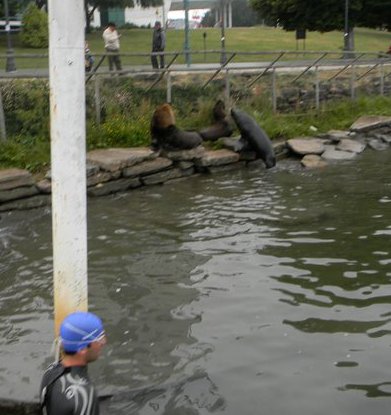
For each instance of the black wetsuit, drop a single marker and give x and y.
(68, 391)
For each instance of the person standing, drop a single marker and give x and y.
(158, 45)
(111, 39)
(66, 388)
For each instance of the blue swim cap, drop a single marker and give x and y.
(79, 329)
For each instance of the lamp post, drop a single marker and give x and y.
(222, 12)
(10, 62)
(346, 35)
(187, 46)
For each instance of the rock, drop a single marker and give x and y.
(101, 177)
(218, 158)
(185, 155)
(114, 159)
(227, 167)
(313, 161)
(44, 186)
(121, 185)
(248, 155)
(367, 123)
(18, 193)
(384, 137)
(147, 167)
(235, 144)
(162, 176)
(308, 145)
(333, 154)
(185, 165)
(279, 147)
(27, 203)
(91, 169)
(378, 145)
(337, 135)
(353, 146)
(14, 178)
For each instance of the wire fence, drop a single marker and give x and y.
(286, 78)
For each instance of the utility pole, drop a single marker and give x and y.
(223, 54)
(68, 157)
(346, 36)
(187, 43)
(10, 61)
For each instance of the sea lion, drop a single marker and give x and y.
(255, 136)
(165, 134)
(221, 127)
(162, 119)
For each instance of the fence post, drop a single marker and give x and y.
(353, 83)
(169, 87)
(3, 130)
(274, 92)
(227, 89)
(317, 87)
(381, 69)
(97, 100)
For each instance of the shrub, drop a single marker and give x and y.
(35, 32)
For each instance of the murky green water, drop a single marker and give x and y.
(252, 292)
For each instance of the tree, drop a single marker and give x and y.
(243, 15)
(326, 15)
(35, 31)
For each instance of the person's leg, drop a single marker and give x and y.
(162, 61)
(111, 62)
(154, 61)
(117, 61)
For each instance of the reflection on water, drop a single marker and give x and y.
(221, 294)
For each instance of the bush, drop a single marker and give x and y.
(35, 32)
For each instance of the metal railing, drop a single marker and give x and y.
(208, 63)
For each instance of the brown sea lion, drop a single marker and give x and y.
(255, 136)
(165, 134)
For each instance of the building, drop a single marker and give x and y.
(139, 16)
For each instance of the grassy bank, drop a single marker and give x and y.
(126, 116)
(252, 39)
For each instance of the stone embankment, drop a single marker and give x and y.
(121, 169)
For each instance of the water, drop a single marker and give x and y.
(247, 292)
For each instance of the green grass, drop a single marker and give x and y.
(254, 39)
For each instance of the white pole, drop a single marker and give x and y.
(68, 156)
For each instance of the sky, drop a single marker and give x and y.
(193, 14)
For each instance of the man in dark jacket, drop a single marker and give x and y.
(158, 45)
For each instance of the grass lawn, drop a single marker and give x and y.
(254, 39)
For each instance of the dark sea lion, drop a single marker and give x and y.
(255, 136)
(221, 127)
(177, 139)
(218, 111)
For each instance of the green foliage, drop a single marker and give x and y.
(26, 104)
(121, 131)
(35, 31)
(324, 15)
(127, 112)
(33, 155)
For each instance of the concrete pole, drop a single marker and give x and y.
(230, 14)
(3, 130)
(68, 156)
(381, 69)
(97, 100)
(317, 91)
(274, 90)
(169, 86)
